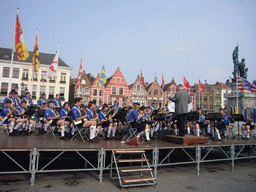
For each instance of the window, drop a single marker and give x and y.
(141, 94)
(211, 107)
(155, 92)
(197, 106)
(98, 84)
(52, 79)
(4, 88)
(208, 90)
(6, 71)
(121, 90)
(94, 92)
(86, 100)
(16, 73)
(149, 102)
(138, 87)
(35, 75)
(124, 101)
(173, 89)
(51, 92)
(205, 106)
(42, 90)
(149, 93)
(25, 74)
(34, 92)
(62, 93)
(101, 92)
(217, 99)
(135, 93)
(197, 99)
(205, 98)
(117, 100)
(113, 90)
(118, 80)
(14, 87)
(43, 73)
(101, 99)
(94, 99)
(86, 91)
(211, 99)
(109, 100)
(63, 77)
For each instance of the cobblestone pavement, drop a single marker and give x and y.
(213, 177)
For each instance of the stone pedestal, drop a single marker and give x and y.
(246, 99)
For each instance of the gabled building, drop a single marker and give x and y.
(22, 77)
(116, 89)
(84, 89)
(138, 92)
(154, 94)
(97, 93)
(171, 88)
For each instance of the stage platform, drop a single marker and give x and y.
(35, 154)
(38, 142)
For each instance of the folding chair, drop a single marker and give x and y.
(82, 132)
(131, 132)
(50, 130)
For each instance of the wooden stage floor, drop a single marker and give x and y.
(33, 141)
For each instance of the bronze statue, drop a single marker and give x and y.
(239, 67)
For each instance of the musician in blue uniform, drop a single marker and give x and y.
(27, 98)
(53, 118)
(115, 106)
(65, 115)
(134, 119)
(81, 120)
(16, 100)
(106, 122)
(8, 116)
(41, 101)
(22, 120)
(57, 101)
(93, 116)
(10, 98)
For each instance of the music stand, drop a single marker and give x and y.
(238, 117)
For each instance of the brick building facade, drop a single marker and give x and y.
(138, 92)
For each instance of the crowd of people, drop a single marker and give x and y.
(102, 121)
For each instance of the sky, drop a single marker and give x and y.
(178, 38)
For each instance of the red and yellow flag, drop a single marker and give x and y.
(20, 46)
(35, 60)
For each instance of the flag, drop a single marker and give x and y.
(142, 78)
(185, 83)
(52, 71)
(201, 87)
(102, 77)
(162, 81)
(79, 75)
(253, 87)
(243, 84)
(20, 46)
(35, 59)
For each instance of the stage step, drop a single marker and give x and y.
(146, 176)
(131, 160)
(128, 151)
(137, 179)
(129, 170)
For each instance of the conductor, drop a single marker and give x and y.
(181, 100)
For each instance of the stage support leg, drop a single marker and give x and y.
(101, 156)
(232, 148)
(155, 160)
(198, 158)
(33, 166)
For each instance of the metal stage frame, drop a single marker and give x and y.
(41, 160)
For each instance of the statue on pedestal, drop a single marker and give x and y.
(239, 67)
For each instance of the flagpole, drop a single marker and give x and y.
(77, 79)
(199, 93)
(11, 68)
(57, 71)
(237, 94)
